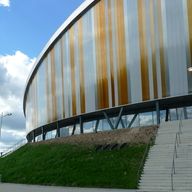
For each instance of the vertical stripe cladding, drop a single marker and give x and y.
(118, 52)
(72, 61)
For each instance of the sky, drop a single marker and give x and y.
(25, 28)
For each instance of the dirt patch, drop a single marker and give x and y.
(139, 135)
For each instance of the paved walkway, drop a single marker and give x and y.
(6, 187)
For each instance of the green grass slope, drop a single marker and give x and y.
(70, 165)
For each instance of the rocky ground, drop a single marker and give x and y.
(140, 135)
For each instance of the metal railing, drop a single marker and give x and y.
(175, 154)
(13, 148)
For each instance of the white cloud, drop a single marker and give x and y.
(5, 3)
(17, 65)
(14, 70)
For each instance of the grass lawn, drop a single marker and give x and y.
(70, 165)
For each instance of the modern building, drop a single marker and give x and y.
(110, 59)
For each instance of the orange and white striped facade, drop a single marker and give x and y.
(111, 53)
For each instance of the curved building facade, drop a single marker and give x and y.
(111, 53)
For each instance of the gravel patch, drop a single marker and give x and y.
(141, 135)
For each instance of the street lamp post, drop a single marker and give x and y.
(1, 122)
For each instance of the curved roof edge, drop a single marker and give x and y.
(80, 10)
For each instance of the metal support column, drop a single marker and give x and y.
(167, 115)
(158, 113)
(119, 118)
(108, 120)
(43, 134)
(58, 130)
(132, 121)
(34, 136)
(122, 123)
(97, 125)
(185, 113)
(74, 128)
(81, 124)
(139, 121)
(153, 118)
(177, 114)
(28, 138)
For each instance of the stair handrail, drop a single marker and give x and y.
(180, 122)
(177, 142)
(13, 147)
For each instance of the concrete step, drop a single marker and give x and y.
(164, 189)
(156, 175)
(152, 190)
(164, 168)
(171, 133)
(165, 178)
(166, 162)
(178, 157)
(177, 167)
(167, 175)
(164, 182)
(158, 185)
(162, 152)
(167, 185)
(166, 141)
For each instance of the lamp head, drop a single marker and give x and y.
(190, 69)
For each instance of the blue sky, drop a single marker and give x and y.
(27, 25)
(25, 28)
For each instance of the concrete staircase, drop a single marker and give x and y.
(156, 175)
